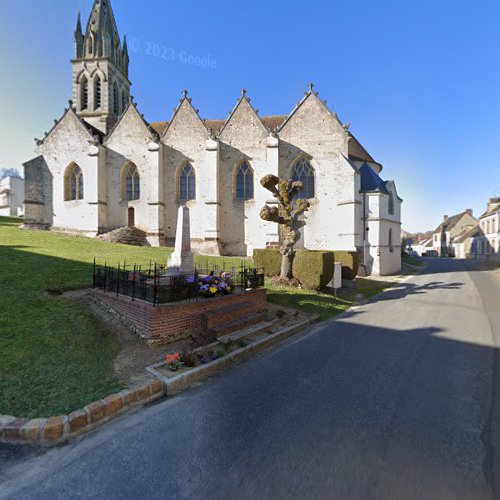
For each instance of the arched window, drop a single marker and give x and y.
(116, 99)
(187, 183)
(124, 100)
(84, 93)
(131, 186)
(73, 183)
(391, 203)
(391, 246)
(244, 182)
(97, 92)
(91, 45)
(304, 173)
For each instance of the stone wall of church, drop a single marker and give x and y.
(68, 144)
(131, 143)
(244, 139)
(185, 142)
(315, 134)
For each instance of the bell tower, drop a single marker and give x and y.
(101, 88)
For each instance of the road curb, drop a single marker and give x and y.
(178, 383)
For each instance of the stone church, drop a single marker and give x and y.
(103, 166)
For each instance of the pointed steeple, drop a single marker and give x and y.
(101, 36)
(101, 88)
(125, 57)
(79, 38)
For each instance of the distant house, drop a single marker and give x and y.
(451, 228)
(11, 197)
(488, 241)
(465, 245)
(423, 246)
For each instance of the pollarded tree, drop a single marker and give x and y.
(287, 214)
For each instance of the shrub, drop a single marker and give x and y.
(349, 261)
(314, 269)
(269, 260)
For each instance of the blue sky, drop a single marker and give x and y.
(419, 81)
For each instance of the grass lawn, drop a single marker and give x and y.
(412, 261)
(54, 356)
(323, 304)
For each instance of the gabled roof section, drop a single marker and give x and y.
(493, 207)
(183, 100)
(243, 99)
(91, 131)
(133, 107)
(451, 222)
(371, 181)
(468, 233)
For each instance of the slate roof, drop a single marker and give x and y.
(370, 181)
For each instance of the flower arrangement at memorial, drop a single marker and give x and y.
(211, 286)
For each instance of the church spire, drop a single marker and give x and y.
(79, 38)
(101, 38)
(101, 88)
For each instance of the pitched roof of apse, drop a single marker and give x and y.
(370, 181)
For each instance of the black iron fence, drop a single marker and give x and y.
(152, 284)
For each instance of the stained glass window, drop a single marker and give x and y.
(132, 184)
(74, 183)
(187, 183)
(244, 182)
(304, 173)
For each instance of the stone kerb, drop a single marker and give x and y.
(60, 429)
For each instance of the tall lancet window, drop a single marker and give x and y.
(116, 99)
(73, 183)
(97, 92)
(244, 182)
(304, 173)
(391, 203)
(124, 100)
(84, 94)
(187, 183)
(132, 187)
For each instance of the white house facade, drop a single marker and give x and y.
(102, 166)
(11, 197)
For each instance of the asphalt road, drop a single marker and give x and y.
(396, 400)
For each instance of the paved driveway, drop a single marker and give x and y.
(396, 400)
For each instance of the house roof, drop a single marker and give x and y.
(370, 181)
(357, 151)
(468, 233)
(450, 222)
(493, 207)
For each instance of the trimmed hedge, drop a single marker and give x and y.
(269, 260)
(349, 261)
(314, 269)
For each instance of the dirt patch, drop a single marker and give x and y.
(135, 353)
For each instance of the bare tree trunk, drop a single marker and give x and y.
(287, 265)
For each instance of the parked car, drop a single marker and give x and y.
(431, 253)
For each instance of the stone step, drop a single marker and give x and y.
(246, 332)
(214, 317)
(237, 324)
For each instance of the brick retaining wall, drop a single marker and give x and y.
(59, 429)
(178, 319)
